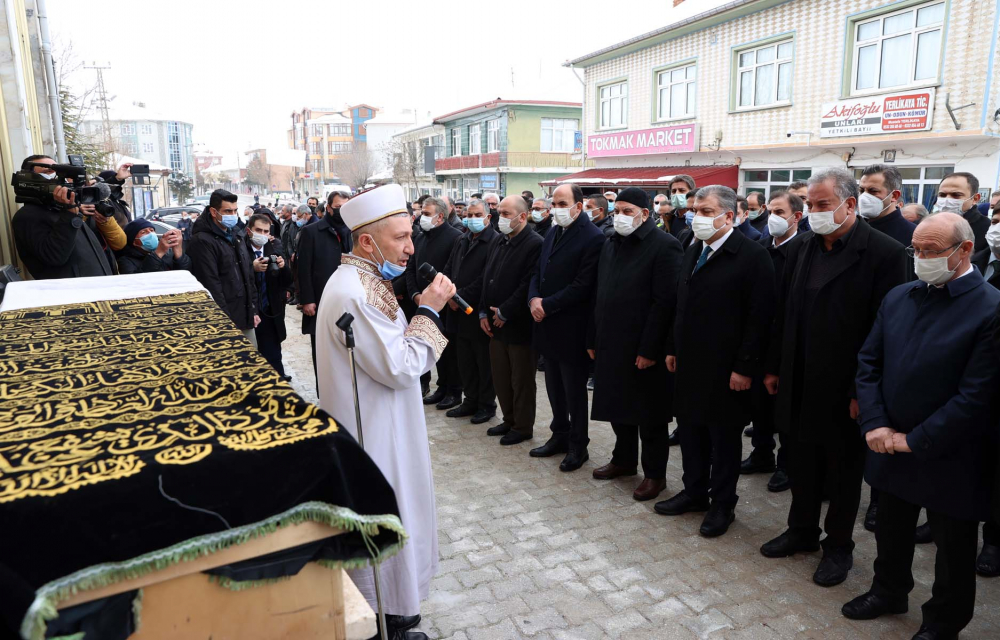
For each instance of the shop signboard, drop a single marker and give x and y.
(898, 112)
(682, 138)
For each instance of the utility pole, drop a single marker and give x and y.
(102, 106)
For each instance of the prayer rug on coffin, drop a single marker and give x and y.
(112, 411)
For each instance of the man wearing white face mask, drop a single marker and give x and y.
(637, 271)
(725, 302)
(559, 298)
(927, 388)
(540, 220)
(596, 208)
(879, 203)
(832, 287)
(959, 193)
(988, 260)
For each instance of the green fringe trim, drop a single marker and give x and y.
(243, 585)
(43, 608)
(137, 609)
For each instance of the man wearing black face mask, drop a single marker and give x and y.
(116, 180)
(320, 246)
(314, 204)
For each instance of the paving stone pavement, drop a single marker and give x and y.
(530, 552)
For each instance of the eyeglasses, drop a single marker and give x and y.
(920, 253)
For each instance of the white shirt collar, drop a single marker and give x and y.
(774, 242)
(967, 272)
(721, 241)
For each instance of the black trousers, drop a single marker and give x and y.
(711, 456)
(269, 344)
(763, 426)
(474, 369)
(566, 386)
(513, 368)
(447, 368)
(655, 448)
(953, 596)
(991, 533)
(312, 340)
(839, 470)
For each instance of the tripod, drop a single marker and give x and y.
(344, 324)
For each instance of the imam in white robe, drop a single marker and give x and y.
(391, 355)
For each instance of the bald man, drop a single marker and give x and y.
(926, 387)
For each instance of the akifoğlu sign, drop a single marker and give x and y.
(891, 113)
(681, 138)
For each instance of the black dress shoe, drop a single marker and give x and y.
(450, 401)
(988, 562)
(869, 606)
(748, 432)
(779, 482)
(541, 364)
(498, 430)
(424, 390)
(401, 623)
(435, 397)
(482, 416)
(461, 411)
(757, 465)
(929, 634)
(870, 516)
(717, 521)
(833, 568)
(574, 460)
(681, 503)
(673, 439)
(286, 378)
(923, 534)
(554, 446)
(788, 544)
(513, 437)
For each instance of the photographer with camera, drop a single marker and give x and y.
(147, 253)
(55, 236)
(115, 180)
(273, 276)
(223, 264)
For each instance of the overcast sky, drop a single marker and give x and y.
(237, 69)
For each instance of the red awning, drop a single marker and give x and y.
(649, 177)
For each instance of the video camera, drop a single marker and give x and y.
(34, 188)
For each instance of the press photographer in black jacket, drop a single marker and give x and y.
(222, 263)
(116, 180)
(58, 240)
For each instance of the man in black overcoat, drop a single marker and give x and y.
(832, 287)
(927, 391)
(465, 268)
(560, 298)
(318, 251)
(636, 297)
(433, 246)
(725, 303)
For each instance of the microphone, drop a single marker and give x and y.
(428, 272)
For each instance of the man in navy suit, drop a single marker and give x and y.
(926, 386)
(561, 303)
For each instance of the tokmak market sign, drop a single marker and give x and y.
(682, 138)
(891, 113)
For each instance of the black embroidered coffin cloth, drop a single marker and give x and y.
(108, 410)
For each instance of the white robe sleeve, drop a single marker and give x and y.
(390, 354)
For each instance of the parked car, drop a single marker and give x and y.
(161, 212)
(201, 201)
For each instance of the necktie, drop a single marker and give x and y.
(703, 258)
(991, 268)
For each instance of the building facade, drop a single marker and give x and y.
(508, 146)
(324, 134)
(414, 153)
(143, 133)
(765, 92)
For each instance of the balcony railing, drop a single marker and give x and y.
(509, 159)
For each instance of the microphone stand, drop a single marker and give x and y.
(344, 324)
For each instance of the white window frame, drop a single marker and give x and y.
(456, 142)
(690, 82)
(771, 184)
(127, 129)
(316, 131)
(316, 148)
(609, 100)
(878, 42)
(147, 147)
(565, 126)
(493, 135)
(752, 69)
(147, 129)
(475, 139)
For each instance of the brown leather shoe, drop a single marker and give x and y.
(649, 489)
(611, 471)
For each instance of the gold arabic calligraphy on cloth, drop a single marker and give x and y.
(98, 391)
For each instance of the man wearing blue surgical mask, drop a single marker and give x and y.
(223, 264)
(959, 193)
(145, 252)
